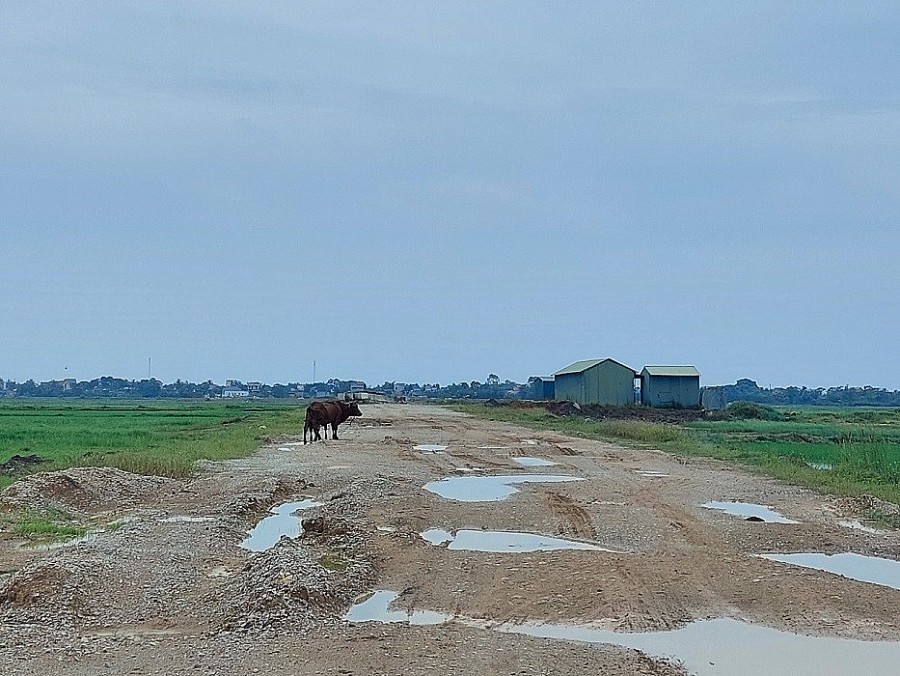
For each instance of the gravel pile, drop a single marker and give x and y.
(301, 583)
(49, 593)
(84, 490)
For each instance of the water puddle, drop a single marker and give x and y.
(749, 511)
(856, 524)
(386, 529)
(873, 569)
(506, 541)
(726, 647)
(431, 448)
(529, 461)
(530, 442)
(282, 523)
(488, 488)
(493, 448)
(59, 543)
(377, 608)
(652, 474)
(187, 519)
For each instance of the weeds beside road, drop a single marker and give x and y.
(842, 451)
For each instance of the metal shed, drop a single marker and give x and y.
(544, 387)
(596, 381)
(670, 386)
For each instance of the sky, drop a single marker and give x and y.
(436, 191)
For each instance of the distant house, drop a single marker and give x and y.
(544, 387)
(357, 386)
(234, 392)
(254, 387)
(670, 386)
(595, 381)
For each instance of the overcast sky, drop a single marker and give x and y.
(434, 191)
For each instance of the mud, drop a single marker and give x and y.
(170, 590)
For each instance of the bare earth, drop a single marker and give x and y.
(169, 590)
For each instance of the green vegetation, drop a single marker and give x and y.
(332, 562)
(841, 451)
(148, 437)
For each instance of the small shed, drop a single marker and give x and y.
(670, 386)
(543, 387)
(595, 381)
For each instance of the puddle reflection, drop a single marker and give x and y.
(271, 529)
(506, 541)
(489, 488)
(749, 509)
(885, 572)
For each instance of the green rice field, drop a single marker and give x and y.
(146, 437)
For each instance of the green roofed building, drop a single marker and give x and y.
(670, 386)
(595, 381)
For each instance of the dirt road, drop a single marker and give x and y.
(164, 587)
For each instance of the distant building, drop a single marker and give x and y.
(357, 386)
(544, 387)
(595, 381)
(670, 387)
(254, 387)
(234, 392)
(713, 398)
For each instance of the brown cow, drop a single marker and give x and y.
(325, 413)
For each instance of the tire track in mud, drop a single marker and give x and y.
(566, 509)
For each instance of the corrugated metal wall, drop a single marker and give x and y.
(663, 391)
(605, 383)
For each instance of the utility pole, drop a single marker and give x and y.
(149, 371)
(314, 370)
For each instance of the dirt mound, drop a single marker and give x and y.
(84, 490)
(18, 464)
(299, 583)
(51, 593)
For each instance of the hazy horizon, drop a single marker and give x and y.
(434, 192)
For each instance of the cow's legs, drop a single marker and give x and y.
(334, 430)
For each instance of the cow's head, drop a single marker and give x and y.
(353, 408)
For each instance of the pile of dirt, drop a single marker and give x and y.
(301, 583)
(19, 464)
(674, 416)
(85, 490)
(51, 593)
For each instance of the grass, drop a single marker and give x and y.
(332, 562)
(861, 446)
(162, 438)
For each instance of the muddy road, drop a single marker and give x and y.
(656, 583)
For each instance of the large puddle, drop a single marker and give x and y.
(529, 461)
(721, 647)
(872, 569)
(282, 523)
(377, 608)
(489, 488)
(748, 510)
(726, 647)
(506, 541)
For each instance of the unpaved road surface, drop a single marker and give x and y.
(164, 587)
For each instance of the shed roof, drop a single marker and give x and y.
(586, 364)
(676, 371)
